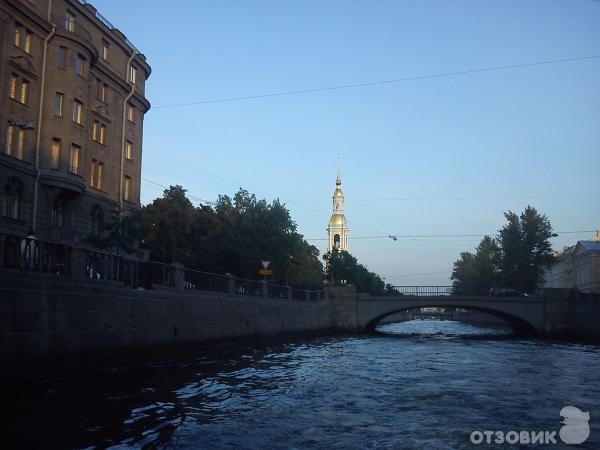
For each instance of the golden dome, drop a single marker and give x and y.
(338, 220)
(338, 193)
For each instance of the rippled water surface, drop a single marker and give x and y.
(422, 384)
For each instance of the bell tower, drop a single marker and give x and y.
(337, 231)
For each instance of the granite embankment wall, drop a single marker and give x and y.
(49, 316)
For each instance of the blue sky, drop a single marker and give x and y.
(430, 156)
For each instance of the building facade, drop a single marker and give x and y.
(72, 106)
(577, 267)
(337, 231)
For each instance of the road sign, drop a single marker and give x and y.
(265, 272)
(265, 264)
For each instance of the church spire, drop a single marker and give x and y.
(338, 227)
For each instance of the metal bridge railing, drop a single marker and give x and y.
(424, 291)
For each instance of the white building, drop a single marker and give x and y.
(577, 267)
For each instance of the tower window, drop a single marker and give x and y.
(336, 241)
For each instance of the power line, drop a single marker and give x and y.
(412, 236)
(477, 197)
(376, 83)
(207, 202)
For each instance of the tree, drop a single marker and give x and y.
(525, 249)
(476, 273)
(516, 258)
(344, 269)
(232, 236)
(167, 225)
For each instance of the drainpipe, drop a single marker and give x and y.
(134, 52)
(39, 123)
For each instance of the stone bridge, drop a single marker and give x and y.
(527, 316)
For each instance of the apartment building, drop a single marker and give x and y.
(72, 107)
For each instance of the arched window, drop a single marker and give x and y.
(336, 241)
(14, 198)
(96, 220)
(57, 214)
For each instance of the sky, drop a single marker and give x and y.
(435, 156)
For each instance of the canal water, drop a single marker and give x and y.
(419, 384)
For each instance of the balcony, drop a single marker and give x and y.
(73, 28)
(64, 180)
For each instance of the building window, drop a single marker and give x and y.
(55, 153)
(24, 97)
(99, 132)
(77, 112)
(18, 92)
(102, 90)
(130, 113)
(127, 188)
(15, 142)
(97, 174)
(96, 220)
(14, 82)
(23, 38)
(129, 150)
(70, 22)
(18, 34)
(62, 57)
(58, 104)
(104, 53)
(14, 195)
(80, 63)
(28, 37)
(132, 74)
(57, 214)
(75, 158)
(10, 139)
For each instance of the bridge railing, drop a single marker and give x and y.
(424, 291)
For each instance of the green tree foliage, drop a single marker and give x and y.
(476, 273)
(516, 258)
(233, 236)
(167, 223)
(525, 249)
(344, 269)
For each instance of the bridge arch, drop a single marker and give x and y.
(519, 325)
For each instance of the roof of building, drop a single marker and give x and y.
(592, 246)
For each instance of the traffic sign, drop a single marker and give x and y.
(265, 272)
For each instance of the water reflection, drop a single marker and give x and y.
(426, 386)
